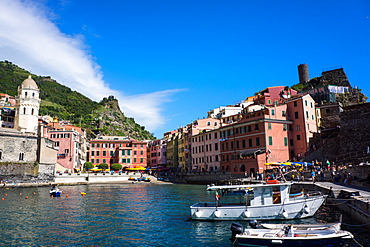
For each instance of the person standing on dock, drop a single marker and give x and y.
(313, 176)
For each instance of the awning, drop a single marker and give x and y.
(136, 168)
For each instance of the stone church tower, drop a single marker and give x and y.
(27, 105)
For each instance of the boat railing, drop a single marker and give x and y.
(217, 204)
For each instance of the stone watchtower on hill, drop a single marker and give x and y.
(27, 105)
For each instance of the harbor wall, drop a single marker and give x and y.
(69, 178)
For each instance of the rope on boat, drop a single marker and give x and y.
(355, 225)
(357, 242)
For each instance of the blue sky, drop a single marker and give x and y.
(169, 62)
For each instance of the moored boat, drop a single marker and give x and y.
(259, 202)
(289, 235)
(55, 192)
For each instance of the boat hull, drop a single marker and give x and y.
(335, 240)
(295, 209)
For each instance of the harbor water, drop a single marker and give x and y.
(141, 214)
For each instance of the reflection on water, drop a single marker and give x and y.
(121, 214)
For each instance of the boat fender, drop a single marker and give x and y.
(217, 213)
(197, 214)
(284, 214)
(246, 213)
(306, 209)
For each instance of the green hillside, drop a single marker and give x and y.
(59, 101)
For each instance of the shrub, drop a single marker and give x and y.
(116, 167)
(88, 165)
(103, 166)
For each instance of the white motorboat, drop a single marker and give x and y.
(289, 235)
(260, 202)
(55, 192)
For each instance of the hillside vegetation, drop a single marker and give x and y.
(58, 101)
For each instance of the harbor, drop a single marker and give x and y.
(113, 214)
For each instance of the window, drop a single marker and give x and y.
(32, 111)
(237, 144)
(216, 146)
(243, 144)
(307, 116)
(298, 127)
(92, 144)
(141, 160)
(258, 141)
(295, 104)
(1, 154)
(104, 161)
(134, 160)
(327, 110)
(283, 113)
(208, 123)
(24, 110)
(269, 126)
(284, 127)
(124, 161)
(269, 102)
(97, 153)
(123, 152)
(306, 103)
(56, 144)
(291, 142)
(296, 115)
(111, 153)
(298, 137)
(256, 127)
(311, 105)
(250, 142)
(216, 135)
(97, 161)
(141, 152)
(92, 153)
(285, 141)
(270, 140)
(135, 153)
(66, 151)
(128, 152)
(249, 128)
(272, 112)
(104, 153)
(215, 124)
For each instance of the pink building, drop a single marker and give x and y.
(157, 153)
(274, 95)
(273, 134)
(69, 140)
(301, 110)
(260, 137)
(128, 152)
(206, 151)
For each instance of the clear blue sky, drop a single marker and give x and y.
(169, 62)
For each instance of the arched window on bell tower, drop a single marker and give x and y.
(24, 110)
(32, 111)
(21, 156)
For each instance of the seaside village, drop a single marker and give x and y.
(322, 130)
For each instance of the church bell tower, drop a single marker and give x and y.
(27, 106)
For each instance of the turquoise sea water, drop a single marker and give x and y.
(141, 214)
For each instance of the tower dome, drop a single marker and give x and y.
(29, 83)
